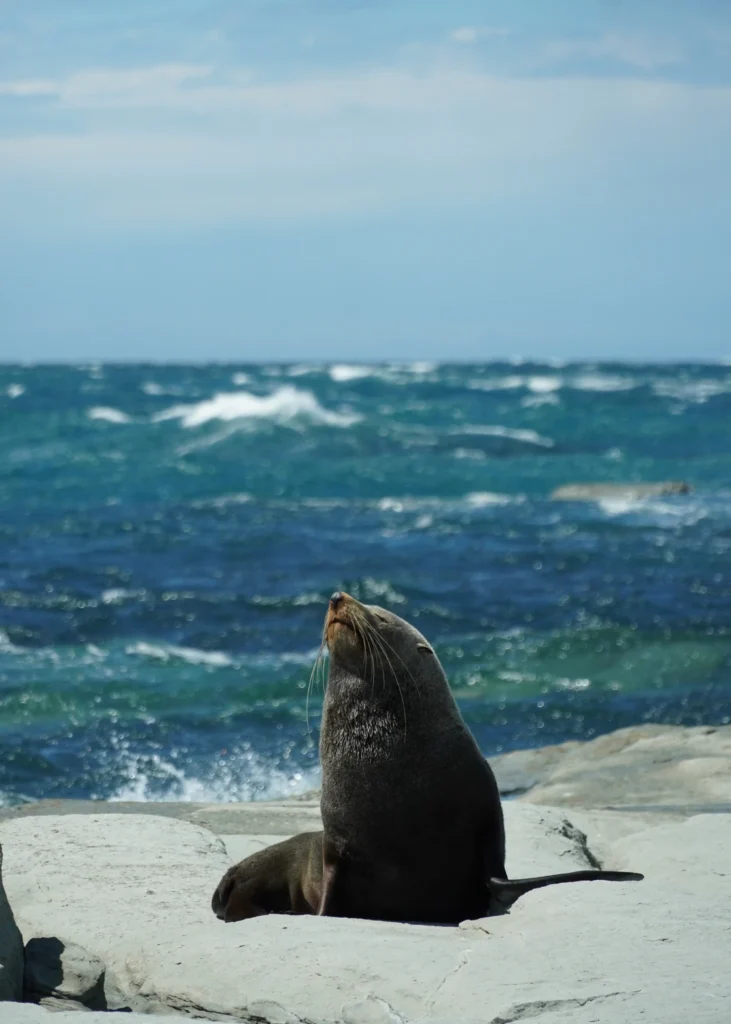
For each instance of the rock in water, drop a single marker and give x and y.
(11, 949)
(626, 492)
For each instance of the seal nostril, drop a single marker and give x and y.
(335, 600)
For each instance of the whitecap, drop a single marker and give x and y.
(15, 390)
(108, 415)
(656, 512)
(303, 369)
(240, 378)
(116, 595)
(480, 499)
(151, 388)
(542, 385)
(512, 434)
(7, 646)
(602, 382)
(420, 368)
(341, 373)
(476, 454)
(191, 655)
(496, 383)
(573, 684)
(382, 589)
(284, 406)
(533, 401)
(222, 501)
(698, 391)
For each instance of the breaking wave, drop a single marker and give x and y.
(284, 406)
(191, 655)
(243, 775)
(512, 434)
(108, 415)
(341, 373)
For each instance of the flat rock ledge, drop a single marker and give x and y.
(643, 768)
(114, 908)
(114, 912)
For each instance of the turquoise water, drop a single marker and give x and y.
(169, 537)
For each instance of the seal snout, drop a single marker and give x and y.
(339, 617)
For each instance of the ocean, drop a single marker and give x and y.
(169, 536)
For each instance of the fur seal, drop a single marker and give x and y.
(287, 879)
(413, 824)
(282, 879)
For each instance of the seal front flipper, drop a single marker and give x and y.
(332, 869)
(505, 891)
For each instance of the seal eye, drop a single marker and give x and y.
(425, 648)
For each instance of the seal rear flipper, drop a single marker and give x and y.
(505, 891)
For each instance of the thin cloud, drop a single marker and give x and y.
(468, 34)
(353, 143)
(29, 87)
(633, 51)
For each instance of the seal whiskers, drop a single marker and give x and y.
(377, 642)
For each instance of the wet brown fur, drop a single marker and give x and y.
(282, 879)
(413, 824)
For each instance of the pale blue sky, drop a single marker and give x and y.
(316, 179)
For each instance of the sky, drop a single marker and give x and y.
(385, 179)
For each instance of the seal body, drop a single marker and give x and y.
(282, 879)
(411, 810)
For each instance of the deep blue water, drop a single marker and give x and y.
(169, 537)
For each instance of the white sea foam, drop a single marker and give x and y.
(512, 434)
(532, 401)
(168, 652)
(602, 382)
(421, 368)
(108, 415)
(151, 388)
(243, 776)
(573, 684)
(116, 595)
(241, 378)
(497, 383)
(656, 511)
(284, 406)
(480, 499)
(476, 454)
(7, 646)
(222, 501)
(541, 385)
(697, 391)
(15, 390)
(303, 369)
(341, 373)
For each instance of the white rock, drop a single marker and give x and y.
(27, 1013)
(11, 948)
(135, 892)
(93, 886)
